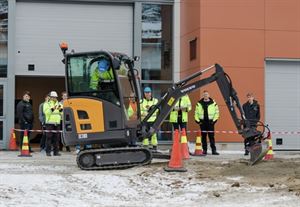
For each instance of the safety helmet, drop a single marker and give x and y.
(147, 90)
(53, 94)
(103, 65)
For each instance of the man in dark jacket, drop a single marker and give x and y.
(206, 115)
(252, 113)
(25, 116)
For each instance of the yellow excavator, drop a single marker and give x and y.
(96, 111)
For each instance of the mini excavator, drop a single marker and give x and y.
(98, 116)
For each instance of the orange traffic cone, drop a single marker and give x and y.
(175, 164)
(25, 148)
(184, 145)
(270, 153)
(12, 141)
(198, 149)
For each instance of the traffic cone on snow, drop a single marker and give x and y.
(270, 153)
(25, 148)
(198, 148)
(12, 141)
(175, 163)
(184, 145)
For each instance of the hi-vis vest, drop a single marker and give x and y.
(212, 110)
(131, 111)
(52, 117)
(183, 102)
(97, 77)
(145, 105)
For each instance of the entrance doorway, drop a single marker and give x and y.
(38, 86)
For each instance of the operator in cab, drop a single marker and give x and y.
(103, 81)
(145, 105)
(103, 73)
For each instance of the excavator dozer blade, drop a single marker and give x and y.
(257, 152)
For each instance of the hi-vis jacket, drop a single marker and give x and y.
(132, 110)
(99, 76)
(145, 106)
(183, 104)
(53, 112)
(212, 110)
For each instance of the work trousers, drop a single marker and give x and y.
(43, 139)
(178, 124)
(52, 138)
(153, 137)
(208, 126)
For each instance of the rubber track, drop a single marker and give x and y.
(113, 166)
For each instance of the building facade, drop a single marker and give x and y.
(258, 44)
(30, 32)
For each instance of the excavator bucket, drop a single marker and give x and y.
(257, 152)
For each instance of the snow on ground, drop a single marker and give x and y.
(56, 181)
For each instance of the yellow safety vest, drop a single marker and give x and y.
(212, 110)
(131, 111)
(145, 106)
(98, 76)
(185, 103)
(52, 117)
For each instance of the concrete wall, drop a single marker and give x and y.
(239, 35)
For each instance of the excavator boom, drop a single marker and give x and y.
(189, 84)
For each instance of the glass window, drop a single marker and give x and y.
(157, 42)
(1, 130)
(92, 75)
(3, 37)
(1, 99)
(193, 49)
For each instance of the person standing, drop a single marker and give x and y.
(132, 107)
(64, 96)
(25, 116)
(252, 113)
(179, 115)
(206, 115)
(52, 110)
(146, 104)
(42, 119)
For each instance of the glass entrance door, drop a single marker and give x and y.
(2, 113)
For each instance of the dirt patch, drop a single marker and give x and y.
(277, 173)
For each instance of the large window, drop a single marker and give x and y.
(3, 37)
(157, 42)
(157, 53)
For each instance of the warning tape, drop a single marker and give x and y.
(236, 132)
(39, 130)
(189, 131)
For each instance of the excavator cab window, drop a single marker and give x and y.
(92, 75)
(130, 97)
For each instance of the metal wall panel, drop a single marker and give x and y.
(283, 101)
(40, 27)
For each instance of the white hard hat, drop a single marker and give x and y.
(53, 94)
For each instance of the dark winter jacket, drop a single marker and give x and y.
(24, 112)
(252, 112)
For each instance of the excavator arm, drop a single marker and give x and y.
(192, 83)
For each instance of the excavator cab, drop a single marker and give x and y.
(100, 87)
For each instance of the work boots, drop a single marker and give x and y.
(215, 153)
